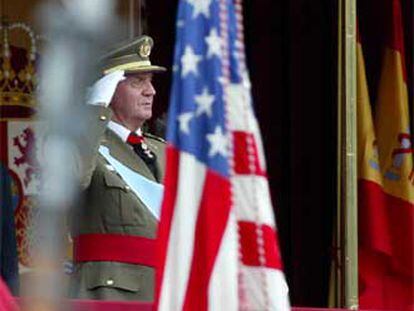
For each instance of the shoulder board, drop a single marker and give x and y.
(154, 137)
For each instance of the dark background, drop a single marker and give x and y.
(292, 57)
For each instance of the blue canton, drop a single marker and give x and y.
(197, 122)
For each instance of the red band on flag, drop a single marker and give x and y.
(242, 164)
(401, 219)
(395, 36)
(374, 230)
(249, 245)
(395, 33)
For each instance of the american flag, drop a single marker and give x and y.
(218, 240)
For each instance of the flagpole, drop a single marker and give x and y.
(347, 166)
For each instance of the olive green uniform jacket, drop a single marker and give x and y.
(109, 206)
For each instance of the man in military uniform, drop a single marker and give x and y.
(122, 169)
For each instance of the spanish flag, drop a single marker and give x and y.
(386, 222)
(374, 230)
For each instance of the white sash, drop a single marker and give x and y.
(148, 191)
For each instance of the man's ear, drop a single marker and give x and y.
(114, 98)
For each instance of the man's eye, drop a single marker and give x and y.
(136, 83)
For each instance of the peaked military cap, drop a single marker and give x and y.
(131, 56)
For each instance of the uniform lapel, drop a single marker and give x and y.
(124, 154)
(160, 163)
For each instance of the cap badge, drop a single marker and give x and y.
(144, 49)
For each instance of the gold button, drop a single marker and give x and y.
(109, 282)
(102, 118)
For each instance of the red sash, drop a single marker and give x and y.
(115, 247)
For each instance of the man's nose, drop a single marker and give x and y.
(149, 89)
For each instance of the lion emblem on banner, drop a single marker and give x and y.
(25, 143)
(23, 153)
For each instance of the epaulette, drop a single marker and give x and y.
(149, 135)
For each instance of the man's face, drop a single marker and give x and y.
(132, 101)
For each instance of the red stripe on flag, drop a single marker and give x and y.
(401, 220)
(385, 225)
(386, 248)
(241, 155)
(167, 211)
(249, 245)
(211, 223)
(379, 287)
(374, 230)
(395, 38)
(395, 33)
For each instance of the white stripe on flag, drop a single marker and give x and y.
(250, 192)
(260, 148)
(277, 289)
(223, 294)
(241, 116)
(191, 177)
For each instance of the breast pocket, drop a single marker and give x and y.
(124, 208)
(118, 281)
(113, 275)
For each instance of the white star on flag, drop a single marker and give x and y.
(213, 41)
(189, 61)
(218, 142)
(200, 7)
(184, 122)
(204, 102)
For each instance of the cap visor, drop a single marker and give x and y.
(136, 69)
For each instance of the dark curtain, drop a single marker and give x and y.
(292, 57)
